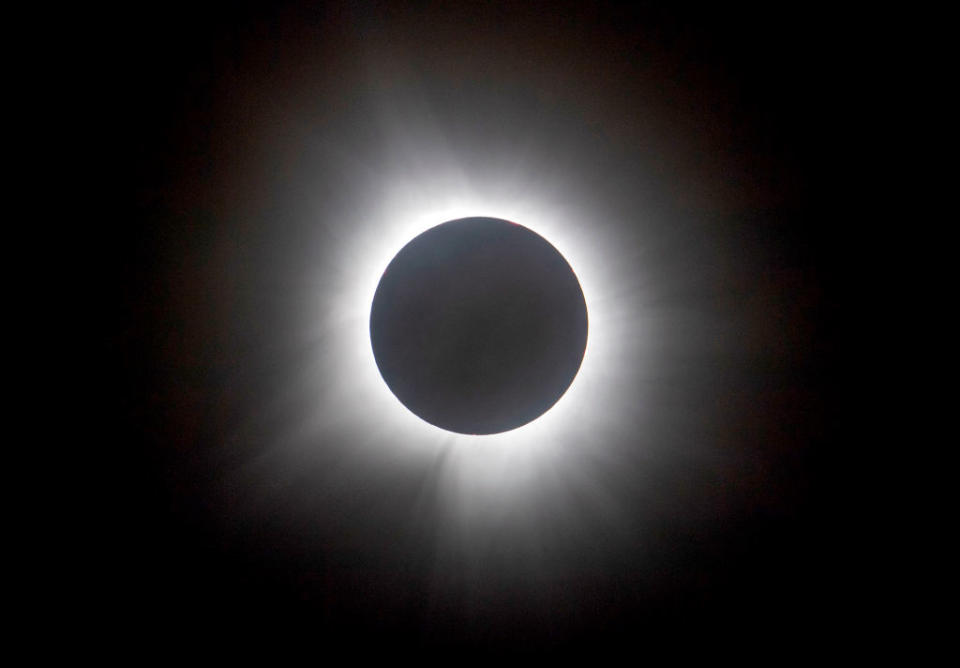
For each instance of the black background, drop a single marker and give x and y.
(729, 120)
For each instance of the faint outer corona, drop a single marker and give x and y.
(478, 326)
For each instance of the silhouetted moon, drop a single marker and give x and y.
(478, 325)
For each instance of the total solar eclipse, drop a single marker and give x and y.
(478, 325)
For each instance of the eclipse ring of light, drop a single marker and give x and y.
(511, 467)
(478, 325)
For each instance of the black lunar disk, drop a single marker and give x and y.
(478, 325)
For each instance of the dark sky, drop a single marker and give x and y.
(245, 138)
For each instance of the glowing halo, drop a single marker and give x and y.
(482, 472)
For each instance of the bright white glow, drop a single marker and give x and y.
(485, 476)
